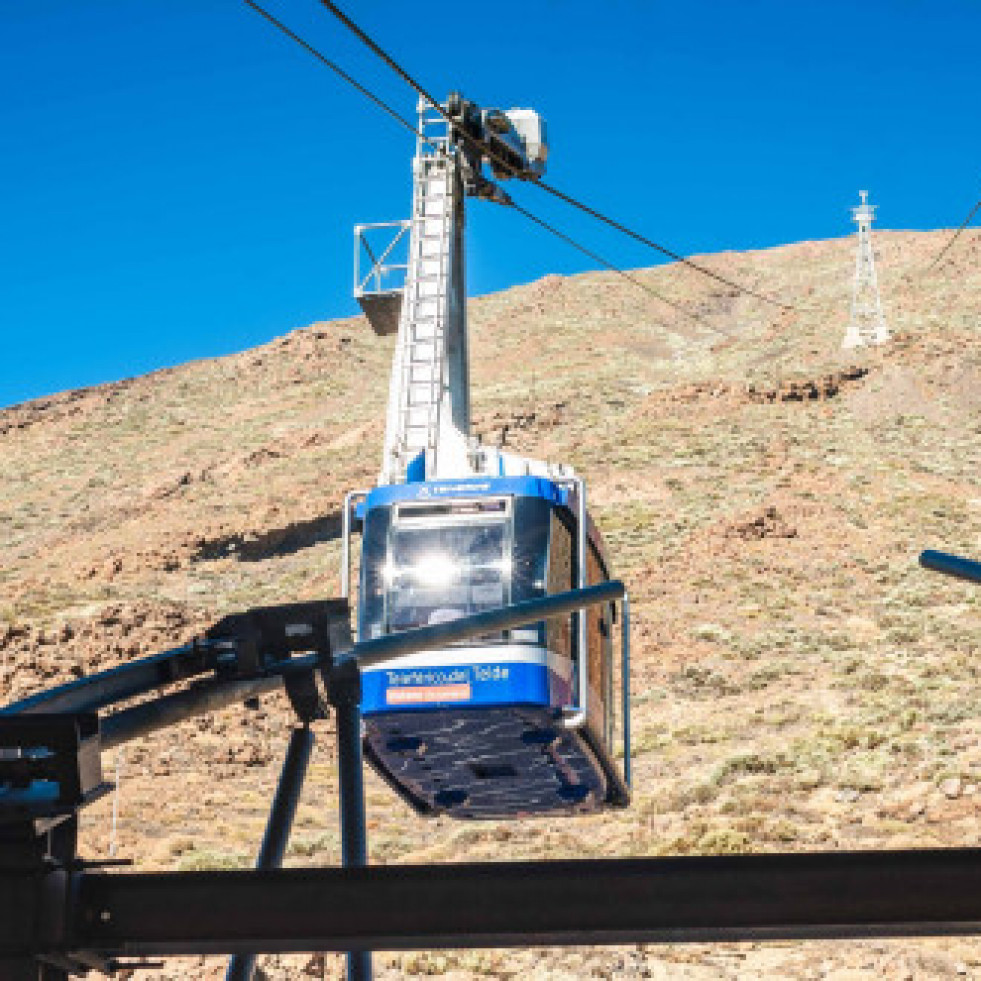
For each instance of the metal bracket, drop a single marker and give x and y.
(50, 765)
(379, 290)
(274, 634)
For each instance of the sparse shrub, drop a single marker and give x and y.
(209, 861)
(751, 763)
(724, 841)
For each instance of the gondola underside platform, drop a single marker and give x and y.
(500, 762)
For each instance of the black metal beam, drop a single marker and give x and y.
(951, 565)
(345, 696)
(746, 897)
(211, 695)
(369, 653)
(143, 676)
(168, 710)
(96, 691)
(278, 826)
(240, 647)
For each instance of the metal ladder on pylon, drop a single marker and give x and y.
(424, 310)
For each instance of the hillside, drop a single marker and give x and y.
(799, 683)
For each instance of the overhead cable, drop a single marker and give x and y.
(408, 125)
(548, 188)
(388, 59)
(663, 249)
(609, 265)
(954, 237)
(398, 117)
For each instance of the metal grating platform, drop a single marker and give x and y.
(487, 763)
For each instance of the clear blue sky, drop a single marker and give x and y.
(179, 181)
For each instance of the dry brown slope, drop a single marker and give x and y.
(798, 683)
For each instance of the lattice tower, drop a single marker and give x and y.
(867, 325)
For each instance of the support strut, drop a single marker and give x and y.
(346, 699)
(273, 849)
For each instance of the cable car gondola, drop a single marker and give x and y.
(520, 722)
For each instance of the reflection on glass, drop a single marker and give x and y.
(439, 573)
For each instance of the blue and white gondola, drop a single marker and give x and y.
(494, 728)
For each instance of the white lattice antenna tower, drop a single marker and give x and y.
(867, 325)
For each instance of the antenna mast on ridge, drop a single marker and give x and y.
(867, 325)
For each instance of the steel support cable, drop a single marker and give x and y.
(663, 249)
(404, 122)
(609, 265)
(548, 188)
(279, 25)
(954, 237)
(391, 62)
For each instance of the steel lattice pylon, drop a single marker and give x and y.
(867, 324)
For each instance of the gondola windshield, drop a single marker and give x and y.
(440, 572)
(429, 564)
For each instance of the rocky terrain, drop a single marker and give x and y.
(799, 682)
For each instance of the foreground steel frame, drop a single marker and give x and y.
(50, 767)
(59, 916)
(724, 898)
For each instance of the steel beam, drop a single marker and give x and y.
(168, 710)
(345, 698)
(97, 691)
(274, 841)
(724, 898)
(951, 565)
(368, 653)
